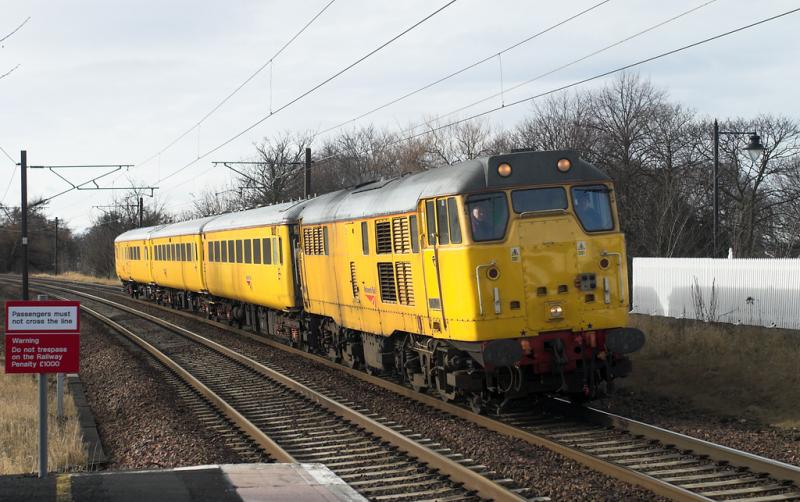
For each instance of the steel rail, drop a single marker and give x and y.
(272, 448)
(471, 480)
(698, 447)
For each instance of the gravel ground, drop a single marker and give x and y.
(547, 473)
(141, 420)
(679, 416)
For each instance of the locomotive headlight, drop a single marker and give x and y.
(504, 170)
(556, 311)
(564, 165)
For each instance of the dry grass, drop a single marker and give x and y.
(19, 429)
(78, 277)
(744, 371)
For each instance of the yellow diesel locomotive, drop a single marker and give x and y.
(489, 280)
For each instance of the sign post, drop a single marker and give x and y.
(42, 337)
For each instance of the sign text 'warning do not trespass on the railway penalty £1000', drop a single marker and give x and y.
(42, 337)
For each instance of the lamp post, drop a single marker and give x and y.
(754, 148)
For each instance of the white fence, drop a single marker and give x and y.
(759, 292)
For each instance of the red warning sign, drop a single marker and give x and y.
(42, 337)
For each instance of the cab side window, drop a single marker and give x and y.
(488, 216)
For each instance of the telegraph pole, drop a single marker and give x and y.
(56, 260)
(23, 163)
(141, 211)
(307, 174)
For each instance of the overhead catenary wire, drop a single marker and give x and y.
(241, 86)
(566, 65)
(601, 75)
(580, 82)
(531, 37)
(13, 173)
(311, 90)
(468, 67)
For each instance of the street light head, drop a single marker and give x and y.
(754, 148)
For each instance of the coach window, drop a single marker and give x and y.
(488, 216)
(364, 238)
(145, 253)
(412, 224)
(248, 250)
(231, 253)
(280, 250)
(223, 251)
(238, 251)
(257, 251)
(324, 240)
(266, 246)
(210, 253)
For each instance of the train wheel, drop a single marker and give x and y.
(476, 403)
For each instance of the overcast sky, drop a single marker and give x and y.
(116, 81)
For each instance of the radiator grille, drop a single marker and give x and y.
(383, 237)
(405, 286)
(386, 280)
(400, 235)
(314, 241)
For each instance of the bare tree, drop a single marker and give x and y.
(278, 176)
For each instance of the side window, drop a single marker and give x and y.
(280, 250)
(488, 216)
(231, 254)
(455, 227)
(324, 240)
(257, 251)
(430, 215)
(210, 251)
(248, 249)
(181, 252)
(224, 248)
(267, 250)
(441, 218)
(414, 234)
(217, 257)
(239, 251)
(364, 238)
(172, 253)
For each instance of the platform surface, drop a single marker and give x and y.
(218, 483)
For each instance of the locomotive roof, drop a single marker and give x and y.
(285, 212)
(402, 194)
(396, 195)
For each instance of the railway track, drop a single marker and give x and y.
(292, 422)
(670, 464)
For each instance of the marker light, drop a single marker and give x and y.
(564, 165)
(504, 169)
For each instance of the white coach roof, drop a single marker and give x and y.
(286, 212)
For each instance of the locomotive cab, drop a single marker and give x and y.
(545, 306)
